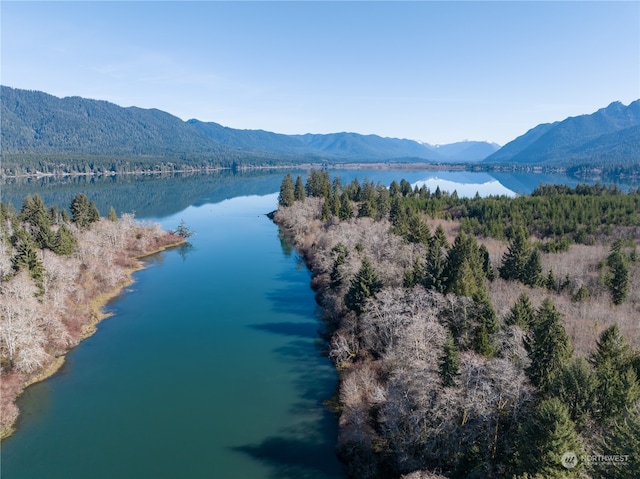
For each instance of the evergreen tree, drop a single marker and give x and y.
(415, 275)
(318, 184)
(487, 325)
(112, 216)
(548, 346)
(396, 210)
(516, 257)
(449, 363)
(405, 188)
(461, 280)
(346, 208)
(622, 439)
(326, 209)
(551, 283)
(417, 230)
(287, 196)
(482, 342)
(83, 212)
(34, 212)
(522, 313)
(532, 273)
(464, 267)
(298, 190)
(394, 189)
(434, 276)
(582, 294)
(367, 209)
(26, 256)
(544, 438)
(336, 186)
(94, 214)
(183, 230)
(382, 202)
(618, 281)
(64, 242)
(486, 263)
(337, 275)
(364, 285)
(617, 390)
(55, 216)
(486, 312)
(336, 204)
(611, 346)
(576, 385)
(618, 385)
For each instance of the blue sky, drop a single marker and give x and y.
(437, 72)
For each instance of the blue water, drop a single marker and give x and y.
(211, 367)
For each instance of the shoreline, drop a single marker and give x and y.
(96, 315)
(338, 165)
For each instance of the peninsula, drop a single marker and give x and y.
(57, 271)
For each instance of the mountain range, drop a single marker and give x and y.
(44, 133)
(609, 135)
(39, 125)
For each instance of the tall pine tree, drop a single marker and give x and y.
(449, 364)
(516, 257)
(544, 438)
(287, 196)
(364, 285)
(298, 190)
(522, 313)
(548, 346)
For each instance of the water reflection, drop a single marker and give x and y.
(466, 190)
(158, 196)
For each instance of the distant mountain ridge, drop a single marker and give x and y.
(611, 134)
(40, 130)
(44, 133)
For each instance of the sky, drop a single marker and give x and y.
(436, 72)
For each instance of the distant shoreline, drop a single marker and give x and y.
(380, 165)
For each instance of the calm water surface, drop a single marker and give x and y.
(209, 368)
(211, 365)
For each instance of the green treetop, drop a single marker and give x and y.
(287, 195)
(548, 346)
(364, 285)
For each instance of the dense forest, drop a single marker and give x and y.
(476, 337)
(56, 269)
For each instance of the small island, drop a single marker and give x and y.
(476, 337)
(57, 271)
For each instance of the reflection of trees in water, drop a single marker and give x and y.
(145, 195)
(184, 250)
(156, 196)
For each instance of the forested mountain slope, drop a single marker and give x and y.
(610, 135)
(44, 133)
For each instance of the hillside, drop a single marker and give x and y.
(610, 135)
(353, 146)
(44, 133)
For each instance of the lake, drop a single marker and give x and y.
(211, 365)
